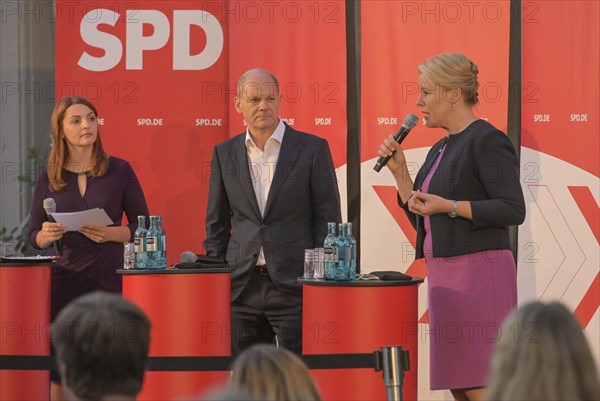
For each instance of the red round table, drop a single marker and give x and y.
(360, 317)
(190, 314)
(25, 322)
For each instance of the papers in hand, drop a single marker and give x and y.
(73, 221)
(27, 259)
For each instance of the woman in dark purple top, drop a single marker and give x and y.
(80, 175)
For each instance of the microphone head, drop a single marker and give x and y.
(410, 121)
(188, 257)
(49, 205)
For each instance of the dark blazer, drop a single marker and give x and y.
(479, 165)
(302, 199)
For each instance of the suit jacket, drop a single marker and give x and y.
(302, 199)
(479, 165)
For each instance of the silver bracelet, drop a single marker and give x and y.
(454, 209)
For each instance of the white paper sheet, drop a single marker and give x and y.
(73, 221)
(25, 259)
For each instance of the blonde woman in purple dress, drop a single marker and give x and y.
(462, 202)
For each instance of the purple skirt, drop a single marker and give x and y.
(469, 298)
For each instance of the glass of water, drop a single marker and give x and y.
(129, 255)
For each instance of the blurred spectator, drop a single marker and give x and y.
(227, 394)
(273, 374)
(543, 355)
(101, 343)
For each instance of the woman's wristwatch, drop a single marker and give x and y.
(454, 209)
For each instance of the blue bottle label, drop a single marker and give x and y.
(151, 243)
(331, 254)
(138, 245)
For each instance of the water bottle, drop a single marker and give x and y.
(152, 244)
(352, 270)
(129, 255)
(330, 251)
(342, 271)
(139, 243)
(162, 244)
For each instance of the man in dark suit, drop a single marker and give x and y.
(272, 191)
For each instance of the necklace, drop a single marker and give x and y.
(444, 145)
(82, 173)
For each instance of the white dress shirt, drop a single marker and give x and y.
(262, 165)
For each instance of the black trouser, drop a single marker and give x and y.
(66, 285)
(262, 312)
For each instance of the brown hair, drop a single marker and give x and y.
(453, 70)
(543, 355)
(59, 151)
(102, 342)
(272, 374)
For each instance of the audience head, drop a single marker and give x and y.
(270, 373)
(101, 343)
(228, 394)
(543, 355)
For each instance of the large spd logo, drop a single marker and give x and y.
(136, 43)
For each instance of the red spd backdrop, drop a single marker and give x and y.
(163, 76)
(147, 68)
(560, 158)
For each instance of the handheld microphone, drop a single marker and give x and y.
(191, 257)
(409, 123)
(50, 207)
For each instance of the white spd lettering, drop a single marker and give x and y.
(149, 121)
(387, 121)
(214, 122)
(136, 43)
(323, 121)
(541, 118)
(579, 118)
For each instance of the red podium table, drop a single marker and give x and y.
(360, 317)
(25, 322)
(190, 314)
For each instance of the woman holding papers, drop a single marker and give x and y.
(80, 175)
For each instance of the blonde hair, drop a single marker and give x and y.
(273, 374)
(453, 70)
(543, 355)
(60, 151)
